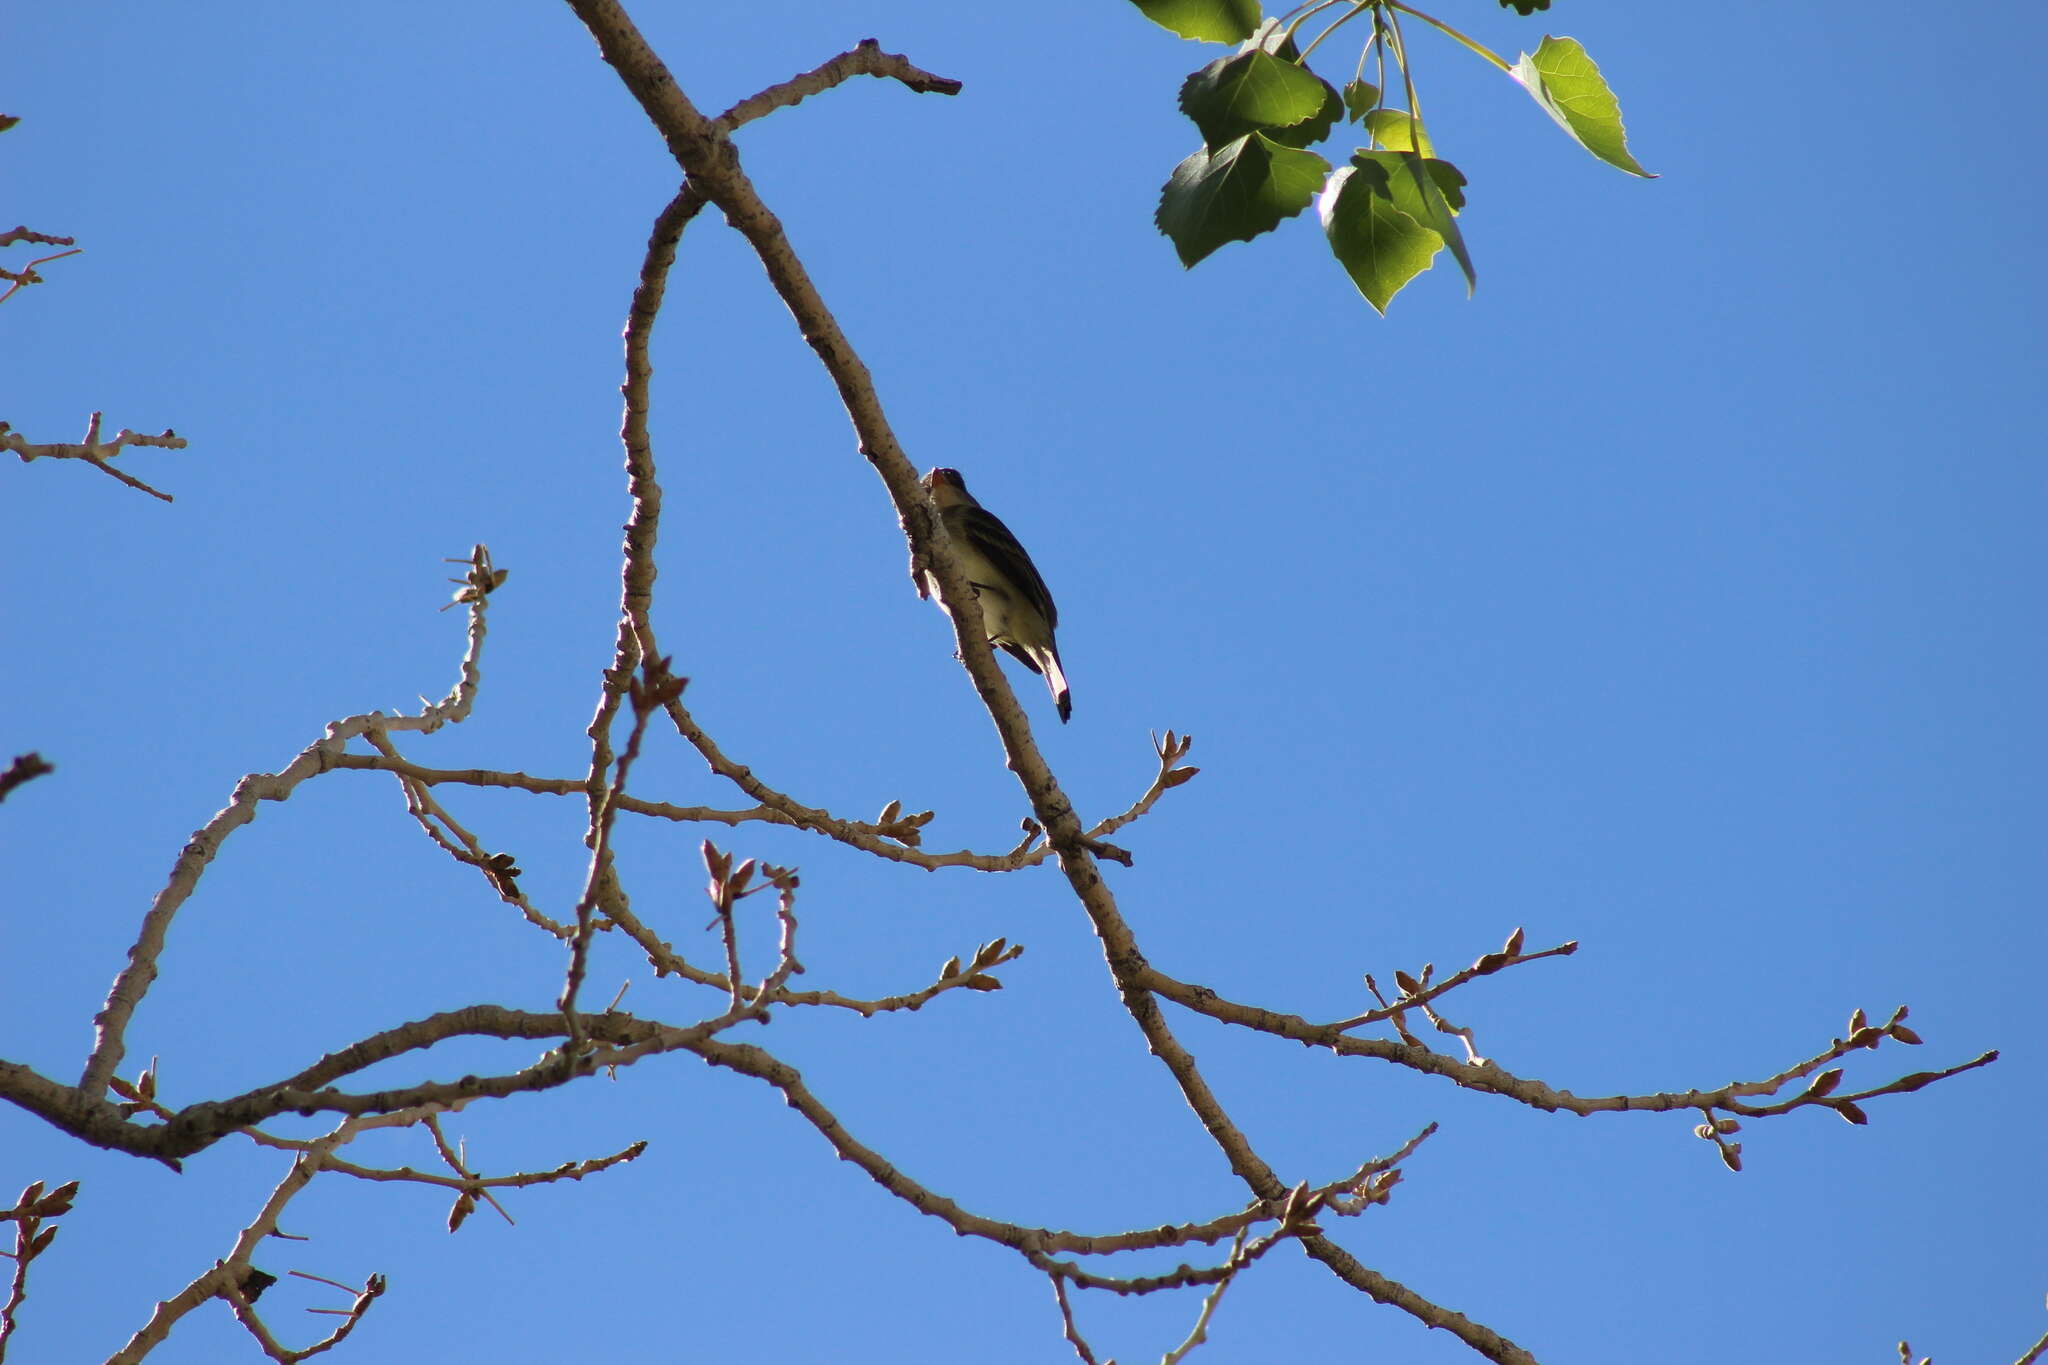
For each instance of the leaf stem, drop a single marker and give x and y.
(1310, 13)
(1379, 41)
(1407, 79)
(1359, 73)
(1447, 30)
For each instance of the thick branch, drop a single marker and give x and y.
(96, 1120)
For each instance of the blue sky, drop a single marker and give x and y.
(1678, 594)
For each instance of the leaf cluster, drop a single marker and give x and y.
(1394, 204)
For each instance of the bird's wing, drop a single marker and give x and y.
(1001, 549)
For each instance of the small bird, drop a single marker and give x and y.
(1016, 609)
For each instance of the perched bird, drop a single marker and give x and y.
(1015, 607)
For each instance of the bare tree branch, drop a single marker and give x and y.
(712, 164)
(866, 59)
(584, 1044)
(25, 768)
(1491, 1077)
(879, 837)
(22, 234)
(93, 450)
(134, 981)
(31, 1211)
(22, 278)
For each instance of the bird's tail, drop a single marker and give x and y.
(1056, 682)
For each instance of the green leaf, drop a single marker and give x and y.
(1386, 216)
(1275, 40)
(1565, 81)
(1212, 21)
(1254, 91)
(1450, 182)
(1318, 125)
(1439, 214)
(1432, 193)
(1379, 246)
(1360, 99)
(1397, 130)
(1235, 192)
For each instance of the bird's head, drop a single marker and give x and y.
(948, 490)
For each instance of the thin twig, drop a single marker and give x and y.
(866, 59)
(27, 275)
(1068, 1326)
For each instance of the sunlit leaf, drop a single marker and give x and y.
(1213, 21)
(1565, 81)
(1383, 214)
(1397, 130)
